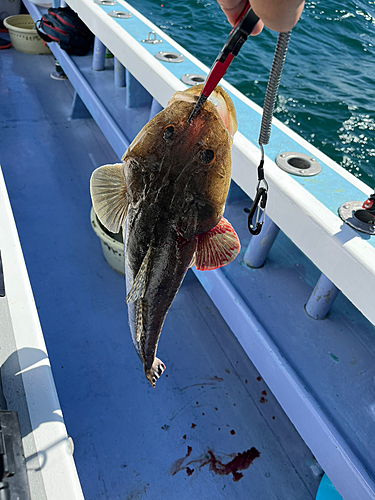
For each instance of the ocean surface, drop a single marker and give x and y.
(327, 89)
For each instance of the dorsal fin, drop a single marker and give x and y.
(108, 194)
(137, 290)
(217, 247)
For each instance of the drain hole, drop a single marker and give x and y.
(299, 163)
(193, 79)
(171, 57)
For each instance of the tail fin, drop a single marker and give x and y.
(155, 371)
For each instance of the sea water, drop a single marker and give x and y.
(327, 89)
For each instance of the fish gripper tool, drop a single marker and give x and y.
(237, 37)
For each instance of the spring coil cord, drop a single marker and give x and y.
(260, 198)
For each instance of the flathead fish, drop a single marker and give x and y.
(168, 195)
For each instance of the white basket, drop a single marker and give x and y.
(113, 250)
(24, 36)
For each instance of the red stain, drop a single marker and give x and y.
(259, 379)
(264, 393)
(184, 437)
(245, 380)
(233, 432)
(189, 471)
(228, 372)
(239, 462)
(193, 426)
(263, 400)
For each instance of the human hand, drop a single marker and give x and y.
(277, 15)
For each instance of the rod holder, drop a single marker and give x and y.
(260, 245)
(120, 78)
(98, 56)
(322, 298)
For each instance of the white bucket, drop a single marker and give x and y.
(113, 250)
(24, 36)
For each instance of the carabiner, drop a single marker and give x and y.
(259, 203)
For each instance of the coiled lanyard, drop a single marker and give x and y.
(237, 37)
(260, 198)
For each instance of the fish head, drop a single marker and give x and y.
(196, 156)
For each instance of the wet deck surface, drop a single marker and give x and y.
(211, 415)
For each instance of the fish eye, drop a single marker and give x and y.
(207, 156)
(168, 132)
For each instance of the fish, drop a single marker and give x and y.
(168, 197)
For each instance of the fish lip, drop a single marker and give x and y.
(218, 98)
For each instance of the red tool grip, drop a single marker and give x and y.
(218, 71)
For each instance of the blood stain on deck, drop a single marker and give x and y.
(239, 462)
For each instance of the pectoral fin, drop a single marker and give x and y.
(108, 194)
(137, 290)
(217, 247)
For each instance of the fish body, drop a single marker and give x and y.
(168, 195)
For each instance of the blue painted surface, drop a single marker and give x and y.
(328, 187)
(136, 95)
(128, 436)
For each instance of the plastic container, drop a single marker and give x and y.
(24, 36)
(113, 250)
(327, 491)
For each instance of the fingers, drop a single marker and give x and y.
(277, 15)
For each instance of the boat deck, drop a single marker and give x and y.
(211, 414)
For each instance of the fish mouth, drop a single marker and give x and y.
(219, 98)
